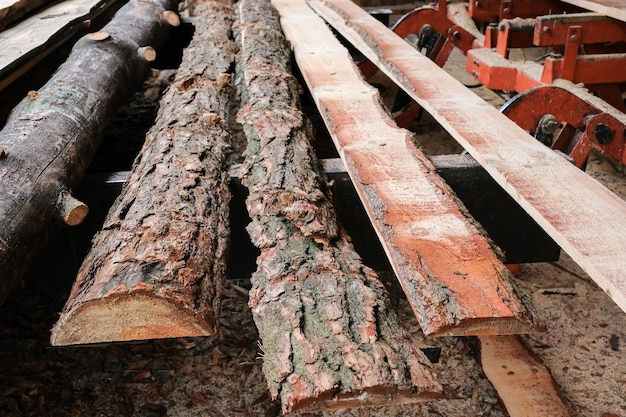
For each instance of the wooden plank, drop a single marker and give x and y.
(524, 385)
(453, 280)
(612, 8)
(28, 42)
(13, 10)
(582, 216)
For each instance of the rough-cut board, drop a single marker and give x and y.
(524, 385)
(51, 136)
(447, 268)
(28, 42)
(329, 337)
(612, 8)
(582, 216)
(157, 267)
(12, 10)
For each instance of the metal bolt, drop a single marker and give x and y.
(603, 133)
(456, 34)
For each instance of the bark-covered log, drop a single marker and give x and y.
(51, 136)
(156, 269)
(329, 338)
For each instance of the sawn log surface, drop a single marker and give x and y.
(586, 219)
(157, 267)
(446, 266)
(329, 338)
(51, 136)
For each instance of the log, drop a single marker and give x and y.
(524, 384)
(51, 136)
(157, 267)
(454, 282)
(329, 337)
(582, 216)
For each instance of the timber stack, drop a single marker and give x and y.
(329, 336)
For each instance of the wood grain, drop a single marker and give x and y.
(582, 216)
(524, 385)
(449, 272)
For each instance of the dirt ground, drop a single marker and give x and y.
(221, 376)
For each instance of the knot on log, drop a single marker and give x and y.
(71, 210)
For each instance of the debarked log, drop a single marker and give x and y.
(157, 267)
(51, 136)
(329, 337)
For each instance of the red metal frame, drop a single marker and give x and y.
(588, 48)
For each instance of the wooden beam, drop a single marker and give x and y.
(51, 136)
(524, 385)
(582, 216)
(447, 268)
(329, 337)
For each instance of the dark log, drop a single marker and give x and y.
(157, 267)
(329, 337)
(51, 136)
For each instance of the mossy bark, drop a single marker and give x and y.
(157, 267)
(329, 337)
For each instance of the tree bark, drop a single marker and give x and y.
(157, 267)
(328, 335)
(51, 136)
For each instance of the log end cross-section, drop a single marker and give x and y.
(128, 317)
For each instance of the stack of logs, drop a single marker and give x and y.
(157, 267)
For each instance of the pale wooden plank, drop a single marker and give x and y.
(612, 8)
(522, 382)
(31, 40)
(581, 215)
(452, 278)
(12, 10)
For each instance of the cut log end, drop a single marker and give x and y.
(125, 318)
(71, 210)
(99, 36)
(171, 18)
(147, 53)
